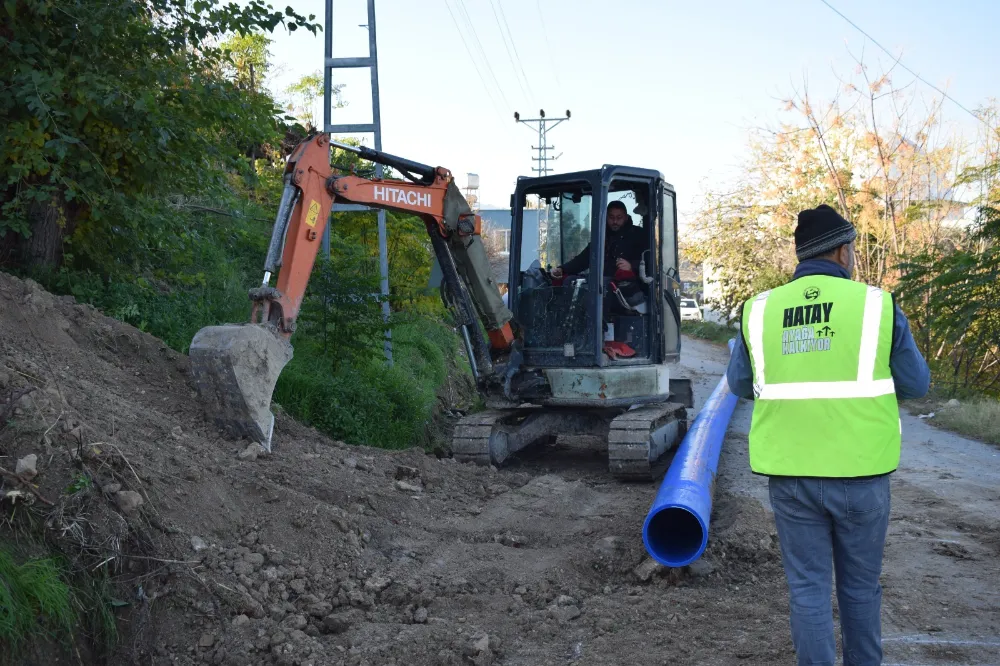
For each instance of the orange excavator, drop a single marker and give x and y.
(558, 371)
(237, 366)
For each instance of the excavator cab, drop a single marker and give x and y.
(619, 314)
(597, 336)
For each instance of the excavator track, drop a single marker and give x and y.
(639, 439)
(478, 439)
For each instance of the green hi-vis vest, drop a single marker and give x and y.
(825, 402)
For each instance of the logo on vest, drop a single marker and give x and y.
(811, 293)
(802, 331)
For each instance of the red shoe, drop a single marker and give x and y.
(617, 349)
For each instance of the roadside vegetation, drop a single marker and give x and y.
(41, 599)
(971, 415)
(708, 330)
(927, 211)
(161, 218)
(34, 599)
(979, 418)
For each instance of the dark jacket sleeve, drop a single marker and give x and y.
(639, 245)
(739, 374)
(578, 263)
(909, 370)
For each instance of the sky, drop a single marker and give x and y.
(660, 84)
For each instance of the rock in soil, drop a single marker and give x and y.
(701, 568)
(406, 472)
(252, 452)
(336, 624)
(26, 467)
(608, 547)
(647, 569)
(128, 501)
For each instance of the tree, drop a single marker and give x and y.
(109, 100)
(307, 93)
(952, 288)
(871, 152)
(247, 60)
(743, 245)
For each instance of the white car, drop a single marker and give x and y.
(690, 310)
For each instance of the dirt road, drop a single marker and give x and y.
(941, 575)
(323, 553)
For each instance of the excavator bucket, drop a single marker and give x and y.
(235, 368)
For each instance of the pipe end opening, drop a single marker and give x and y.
(675, 536)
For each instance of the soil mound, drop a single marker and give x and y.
(323, 553)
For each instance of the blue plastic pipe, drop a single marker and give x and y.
(676, 528)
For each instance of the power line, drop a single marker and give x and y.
(901, 64)
(514, 46)
(548, 47)
(475, 65)
(510, 56)
(479, 44)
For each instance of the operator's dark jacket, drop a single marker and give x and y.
(629, 242)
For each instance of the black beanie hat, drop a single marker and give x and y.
(820, 230)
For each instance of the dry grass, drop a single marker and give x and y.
(979, 418)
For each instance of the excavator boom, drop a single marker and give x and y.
(237, 366)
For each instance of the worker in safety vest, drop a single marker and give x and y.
(825, 359)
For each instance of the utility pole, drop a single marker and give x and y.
(544, 125)
(375, 127)
(542, 169)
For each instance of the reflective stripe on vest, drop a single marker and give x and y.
(826, 404)
(865, 386)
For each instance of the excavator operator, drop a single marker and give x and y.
(624, 244)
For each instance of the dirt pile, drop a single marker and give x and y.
(321, 553)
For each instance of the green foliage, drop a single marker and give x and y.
(307, 93)
(341, 315)
(34, 600)
(952, 297)
(144, 131)
(80, 482)
(172, 285)
(41, 599)
(89, 126)
(365, 401)
(92, 592)
(707, 330)
(247, 60)
(951, 291)
(408, 249)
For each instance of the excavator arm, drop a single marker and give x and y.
(311, 189)
(236, 367)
